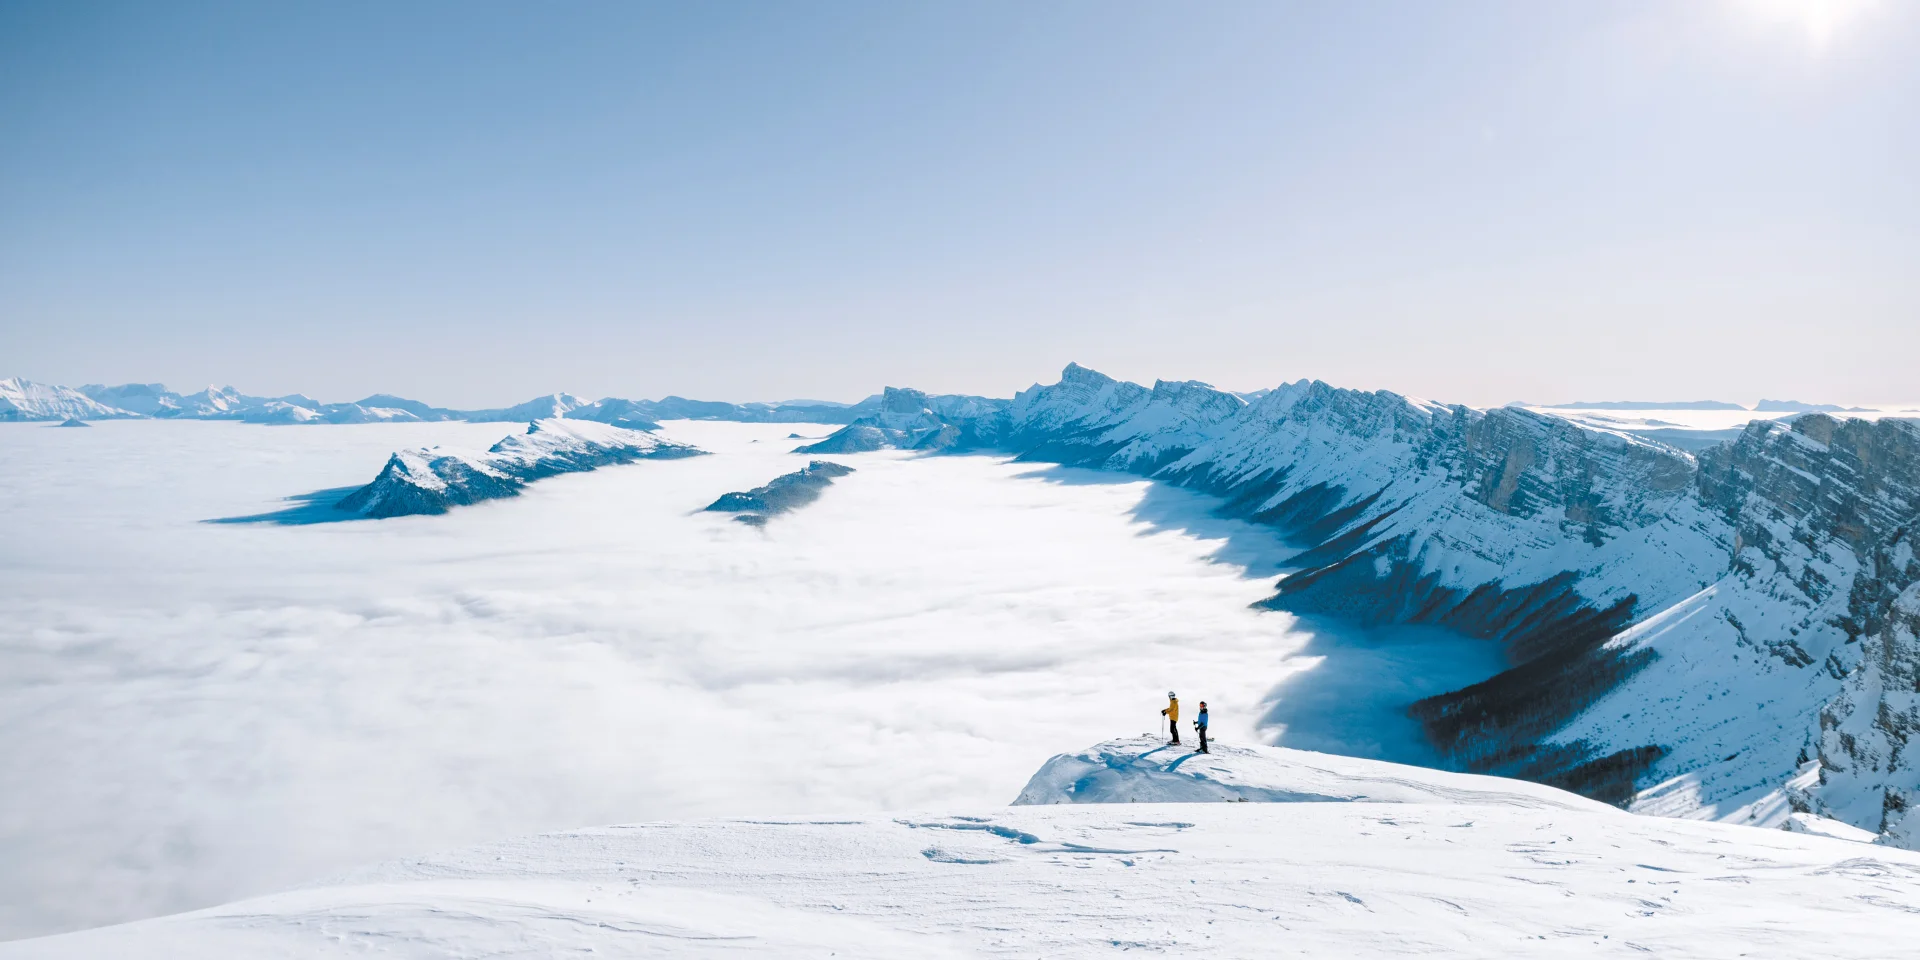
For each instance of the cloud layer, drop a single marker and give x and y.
(196, 712)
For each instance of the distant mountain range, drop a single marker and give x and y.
(1795, 406)
(1764, 406)
(1644, 405)
(22, 399)
(26, 400)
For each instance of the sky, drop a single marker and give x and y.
(475, 203)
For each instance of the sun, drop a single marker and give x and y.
(1821, 20)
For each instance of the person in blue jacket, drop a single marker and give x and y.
(1200, 725)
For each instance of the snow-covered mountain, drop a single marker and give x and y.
(1685, 632)
(791, 411)
(631, 414)
(145, 399)
(1349, 858)
(26, 400)
(213, 403)
(911, 420)
(433, 480)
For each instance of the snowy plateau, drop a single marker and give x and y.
(1719, 626)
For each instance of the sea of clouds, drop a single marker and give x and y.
(192, 712)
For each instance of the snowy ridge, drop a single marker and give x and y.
(433, 481)
(1367, 860)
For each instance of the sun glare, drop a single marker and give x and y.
(1822, 21)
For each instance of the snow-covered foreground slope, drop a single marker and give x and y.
(1396, 861)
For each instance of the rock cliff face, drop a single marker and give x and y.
(1867, 775)
(1684, 632)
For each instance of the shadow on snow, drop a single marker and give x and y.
(1348, 689)
(315, 507)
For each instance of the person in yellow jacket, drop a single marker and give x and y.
(1172, 713)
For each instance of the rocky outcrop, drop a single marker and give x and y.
(433, 481)
(782, 494)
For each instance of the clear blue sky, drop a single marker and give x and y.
(472, 203)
